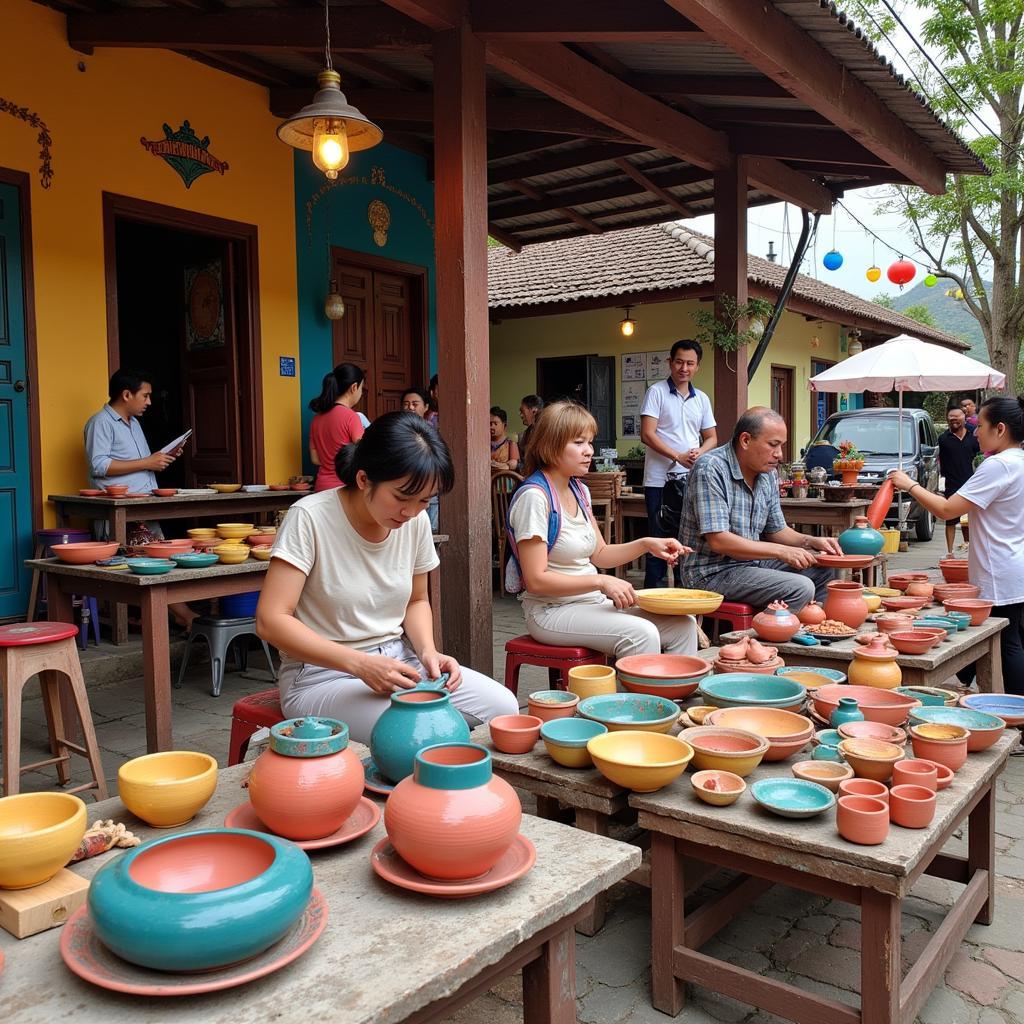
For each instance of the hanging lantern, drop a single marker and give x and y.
(833, 259)
(901, 272)
(756, 329)
(334, 304)
(873, 273)
(955, 293)
(854, 347)
(930, 280)
(627, 325)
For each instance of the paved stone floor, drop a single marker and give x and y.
(806, 940)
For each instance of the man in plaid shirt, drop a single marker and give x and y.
(732, 518)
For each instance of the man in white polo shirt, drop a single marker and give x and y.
(676, 425)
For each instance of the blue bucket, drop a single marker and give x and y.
(239, 606)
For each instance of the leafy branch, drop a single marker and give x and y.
(724, 332)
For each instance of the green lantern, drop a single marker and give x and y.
(930, 280)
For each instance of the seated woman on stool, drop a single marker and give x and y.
(558, 548)
(345, 597)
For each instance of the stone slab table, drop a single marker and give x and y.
(386, 955)
(811, 856)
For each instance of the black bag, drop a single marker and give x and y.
(672, 497)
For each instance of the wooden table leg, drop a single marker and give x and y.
(549, 982)
(988, 668)
(597, 824)
(981, 849)
(55, 718)
(118, 530)
(59, 609)
(547, 808)
(668, 993)
(880, 967)
(156, 660)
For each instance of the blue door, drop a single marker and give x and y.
(15, 473)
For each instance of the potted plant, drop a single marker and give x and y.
(849, 463)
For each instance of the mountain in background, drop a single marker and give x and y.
(950, 315)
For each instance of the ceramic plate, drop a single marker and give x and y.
(843, 561)
(1007, 706)
(375, 782)
(87, 957)
(792, 798)
(359, 822)
(829, 636)
(196, 490)
(514, 863)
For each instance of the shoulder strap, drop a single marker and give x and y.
(511, 572)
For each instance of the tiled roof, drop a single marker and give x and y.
(662, 258)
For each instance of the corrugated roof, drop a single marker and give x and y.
(660, 258)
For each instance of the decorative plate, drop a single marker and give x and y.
(843, 561)
(359, 822)
(829, 636)
(375, 782)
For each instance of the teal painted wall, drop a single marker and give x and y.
(397, 178)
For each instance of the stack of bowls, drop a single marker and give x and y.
(978, 610)
(716, 748)
(663, 675)
(622, 711)
(550, 704)
(745, 689)
(787, 733)
(235, 531)
(232, 554)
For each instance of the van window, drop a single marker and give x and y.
(873, 435)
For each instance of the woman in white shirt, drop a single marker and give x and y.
(566, 601)
(345, 597)
(993, 499)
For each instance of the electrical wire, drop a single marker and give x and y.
(878, 238)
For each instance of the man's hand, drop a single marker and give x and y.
(827, 545)
(799, 558)
(667, 548)
(158, 461)
(687, 459)
(621, 593)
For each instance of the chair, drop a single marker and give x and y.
(90, 610)
(218, 634)
(503, 485)
(736, 615)
(605, 491)
(249, 715)
(46, 649)
(524, 650)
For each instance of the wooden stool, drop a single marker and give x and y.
(738, 616)
(524, 650)
(46, 649)
(249, 715)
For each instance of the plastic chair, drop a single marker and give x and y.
(524, 650)
(503, 486)
(736, 615)
(218, 634)
(249, 715)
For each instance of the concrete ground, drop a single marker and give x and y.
(806, 940)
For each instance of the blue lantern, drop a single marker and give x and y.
(833, 259)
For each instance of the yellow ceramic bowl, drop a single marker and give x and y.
(884, 591)
(872, 600)
(678, 601)
(641, 761)
(235, 531)
(570, 757)
(591, 680)
(716, 748)
(871, 759)
(262, 554)
(717, 788)
(232, 555)
(38, 834)
(226, 488)
(169, 788)
(202, 532)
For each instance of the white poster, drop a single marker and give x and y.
(630, 426)
(634, 366)
(633, 392)
(657, 365)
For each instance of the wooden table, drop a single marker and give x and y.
(832, 516)
(976, 645)
(385, 956)
(810, 855)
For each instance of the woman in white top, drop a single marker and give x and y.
(567, 602)
(345, 597)
(993, 499)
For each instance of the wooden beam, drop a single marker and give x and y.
(463, 363)
(770, 115)
(752, 86)
(435, 14)
(656, 190)
(252, 30)
(833, 147)
(561, 161)
(603, 177)
(252, 68)
(396, 77)
(513, 144)
(570, 214)
(784, 183)
(770, 41)
(508, 240)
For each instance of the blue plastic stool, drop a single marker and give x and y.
(218, 634)
(90, 610)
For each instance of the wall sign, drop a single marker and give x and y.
(186, 153)
(287, 364)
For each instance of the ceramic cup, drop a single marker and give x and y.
(912, 806)
(864, 787)
(914, 772)
(591, 680)
(862, 819)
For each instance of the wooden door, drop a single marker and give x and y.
(782, 403)
(393, 365)
(601, 399)
(823, 403)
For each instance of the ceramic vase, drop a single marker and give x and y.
(847, 711)
(591, 680)
(862, 819)
(811, 614)
(912, 806)
(861, 539)
(452, 818)
(875, 665)
(846, 603)
(776, 623)
(309, 782)
(415, 719)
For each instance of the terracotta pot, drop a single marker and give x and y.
(874, 664)
(913, 772)
(591, 680)
(912, 641)
(308, 783)
(951, 591)
(862, 819)
(871, 759)
(902, 580)
(979, 611)
(811, 614)
(954, 570)
(549, 704)
(912, 806)
(515, 734)
(944, 773)
(845, 602)
(945, 744)
(864, 787)
(452, 818)
(877, 705)
(893, 622)
(776, 623)
(919, 588)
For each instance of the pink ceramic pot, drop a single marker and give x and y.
(902, 580)
(914, 772)
(776, 623)
(919, 588)
(979, 611)
(549, 704)
(954, 570)
(452, 818)
(846, 603)
(951, 751)
(811, 614)
(893, 622)
(864, 787)
(912, 806)
(308, 783)
(515, 734)
(950, 591)
(862, 819)
(944, 774)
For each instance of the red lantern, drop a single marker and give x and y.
(901, 272)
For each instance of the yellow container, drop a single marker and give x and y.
(590, 680)
(873, 601)
(892, 541)
(169, 788)
(641, 761)
(232, 554)
(38, 834)
(201, 532)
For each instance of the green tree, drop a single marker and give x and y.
(921, 313)
(885, 301)
(974, 230)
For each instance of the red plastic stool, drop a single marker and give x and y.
(249, 715)
(738, 616)
(524, 650)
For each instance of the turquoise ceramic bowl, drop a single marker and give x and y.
(792, 798)
(150, 566)
(962, 619)
(826, 746)
(619, 711)
(833, 675)
(748, 690)
(200, 900)
(929, 700)
(939, 622)
(195, 560)
(984, 729)
(571, 732)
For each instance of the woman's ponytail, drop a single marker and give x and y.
(335, 384)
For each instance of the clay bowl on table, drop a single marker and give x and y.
(911, 806)
(262, 537)
(621, 711)
(149, 566)
(872, 731)
(946, 744)
(84, 552)
(163, 904)
(944, 772)
(792, 798)
(951, 591)
(38, 834)
(194, 559)
(824, 773)
(873, 601)
(165, 492)
(904, 604)
(721, 749)
(261, 553)
(1007, 706)
(234, 531)
(641, 761)
(301, 486)
(786, 732)
(90, 492)
(549, 704)
(983, 729)
(912, 771)
(812, 677)
(871, 759)
(919, 588)
(961, 619)
(862, 819)
(566, 739)
(978, 610)
(168, 788)
(206, 543)
(745, 689)
(893, 622)
(201, 532)
(913, 641)
(865, 787)
(876, 705)
(929, 696)
(116, 490)
(901, 580)
(954, 570)
(232, 554)
(280, 487)
(515, 734)
(663, 675)
(948, 626)
(884, 591)
(164, 549)
(226, 488)
(717, 788)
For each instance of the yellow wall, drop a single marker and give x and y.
(517, 344)
(96, 118)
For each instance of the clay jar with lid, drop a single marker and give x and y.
(811, 614)
(861, 539)
(776, 623)
(452, 818)
(845, 602)
(309, 782)
(874, 664)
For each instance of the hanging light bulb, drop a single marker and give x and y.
(854, 347)
(627, 325)
(330, 144)
(334, 304)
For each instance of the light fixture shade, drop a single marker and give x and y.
(329, 103)
(627, 325)
(854, 348)
(334, 306)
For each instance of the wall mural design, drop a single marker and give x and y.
(45, 140)
(204, 306)
(379, 216)
(185, 152)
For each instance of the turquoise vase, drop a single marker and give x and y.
(846, 712)
(417, 718)
(861, 539)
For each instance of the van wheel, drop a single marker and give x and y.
(925, 525)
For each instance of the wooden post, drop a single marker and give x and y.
(463, 362)
(730, 282)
